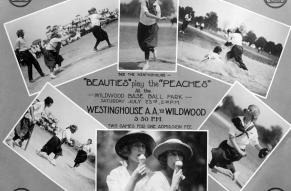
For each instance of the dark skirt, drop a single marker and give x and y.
(236, 53)
(99, 33)
(184, 25)
(225, 153)
(54, 145)
(52, 58)
(147, 36)
(81, 157)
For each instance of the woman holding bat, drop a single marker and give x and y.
(133, 174)
(170, 154)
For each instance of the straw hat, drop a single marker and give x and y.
(173, 145)
(133, 136)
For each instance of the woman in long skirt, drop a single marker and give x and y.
(147, 31)
(25, 55)
(51, 54)
(83, 153)
(233, 149)
(97, 31)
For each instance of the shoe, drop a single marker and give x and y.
(243, 66)
(146, 66)
(41, 154)
(52, 76)
(235, 176)
(95, 49)
(110, 45)
(31, 81)
(155, 53)
(53, 162)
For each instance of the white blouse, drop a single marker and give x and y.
(145, 19)
(243, 140)
(119, 177)
(158, 182)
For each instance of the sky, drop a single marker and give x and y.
(68, 113)
(267, 118)
(34, 25)
(231, 16)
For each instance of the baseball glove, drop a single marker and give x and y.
(263, 153)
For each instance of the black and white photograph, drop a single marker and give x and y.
(59, 139)
(151, 160)
(230, 43)
(243, 133)
(64, 41)
(148, 35)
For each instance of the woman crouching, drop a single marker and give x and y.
(54, 145)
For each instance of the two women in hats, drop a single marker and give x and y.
(134, 175)
(242, 133)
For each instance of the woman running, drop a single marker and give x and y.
(132, 175)
(233, 149)
(52, 55)
(147, 31)
(23, 51)
(97, 31)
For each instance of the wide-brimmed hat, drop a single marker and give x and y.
(132, 137)
(173, 145)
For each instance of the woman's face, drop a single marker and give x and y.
(248, 113)
(172, 157)
(135, 150)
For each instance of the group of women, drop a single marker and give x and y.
(51, 51)
(134, 175)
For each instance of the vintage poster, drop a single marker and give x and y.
(145, 95)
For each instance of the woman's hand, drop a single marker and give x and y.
(139, 172)
(163, 18)
(176, 179)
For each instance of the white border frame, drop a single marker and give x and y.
(151, 71)
(160, 130)
(275, 148)
(81, 110)
(279, 61)
(67, 81)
